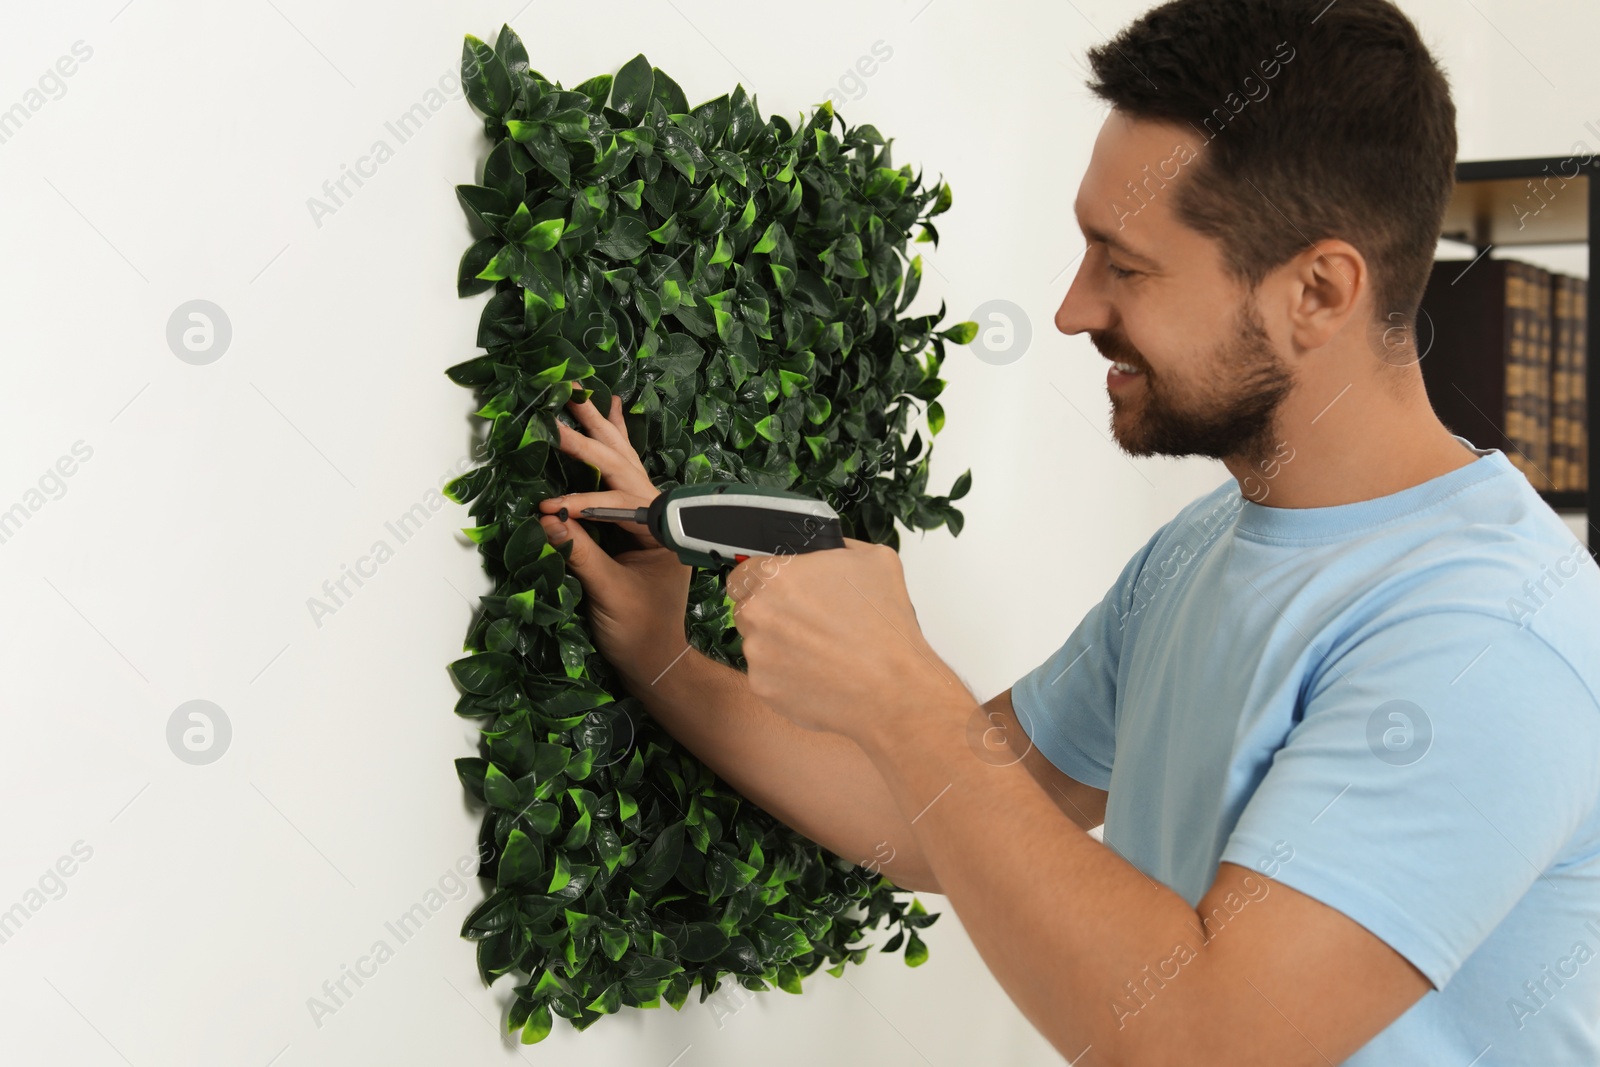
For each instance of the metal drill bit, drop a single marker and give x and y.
(638, 515)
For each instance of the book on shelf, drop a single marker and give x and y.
(1504, 363)
(1569, 459)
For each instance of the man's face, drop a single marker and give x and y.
(1153, 293)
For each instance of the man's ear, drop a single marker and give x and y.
(1327, 283)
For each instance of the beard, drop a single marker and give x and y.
(1231, 413)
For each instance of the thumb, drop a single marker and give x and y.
(597, 571)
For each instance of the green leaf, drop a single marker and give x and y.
(913, 282)
(769, 239)
(961, 333)
(935, 417)
(632, 193)
(578, 836)
(476, 371)
(730, 164)
(544, 818)
(916, 951)
(596, 89)
(626, 239)
(962, 484)
(543, 236)
(679, 149)
(560, 875)
(520, 863)
(500, 404)
(953, 520)
(500, 790)
(626, 807)
(818, 408)
(669, 93)
(526, 543)
(703, 941)
(660, 861)
(631, 89)
(509, 47)
(608, 1001)
(471, 770)
(537, 1028)
(549, 760)
(485, 672)
(484, 76)
(666, 233)
(613, 942)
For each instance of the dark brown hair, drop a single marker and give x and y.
(1321, 120)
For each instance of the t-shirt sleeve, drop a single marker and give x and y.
(1067, 704)
(1441, 763)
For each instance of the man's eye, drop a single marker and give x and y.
(1118, 272)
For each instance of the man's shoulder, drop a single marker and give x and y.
(1514, 582)
(1198, 521)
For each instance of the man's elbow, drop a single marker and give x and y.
(913, 880)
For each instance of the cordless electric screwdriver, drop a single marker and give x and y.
(722, 524)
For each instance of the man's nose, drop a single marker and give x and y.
(1084, 307)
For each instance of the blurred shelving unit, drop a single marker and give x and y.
(1549, 201)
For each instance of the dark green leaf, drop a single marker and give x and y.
(596, 89)
(667, 91)
(484, 77)
(703, 941)
(484, 673)
(520, 863)
(962, 484)
(660, 861)
(630, 92)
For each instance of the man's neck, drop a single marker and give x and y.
(1347, 442)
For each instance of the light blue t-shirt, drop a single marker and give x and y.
(1389, 706)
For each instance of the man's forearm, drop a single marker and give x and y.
(819, 784)
(1059, 918)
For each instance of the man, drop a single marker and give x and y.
(1338, 716)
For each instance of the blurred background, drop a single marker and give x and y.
(180, 903)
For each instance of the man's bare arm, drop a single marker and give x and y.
(1067, 926)
(822, 784)
(1083, 804)
(819, 784)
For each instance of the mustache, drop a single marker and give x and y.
(1113, 346)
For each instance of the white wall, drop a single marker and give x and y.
(217, 499)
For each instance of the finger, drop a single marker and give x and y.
(629, 451)
(576, 502)
(591, 451)
(739, 584)
(599, 427)
(598, 572)
(621, 470)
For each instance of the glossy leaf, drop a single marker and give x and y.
(484, 76)
(631, 89)
(519, 863)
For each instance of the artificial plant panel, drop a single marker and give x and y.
(741, 283)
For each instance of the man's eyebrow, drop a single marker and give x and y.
(1113, 242)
